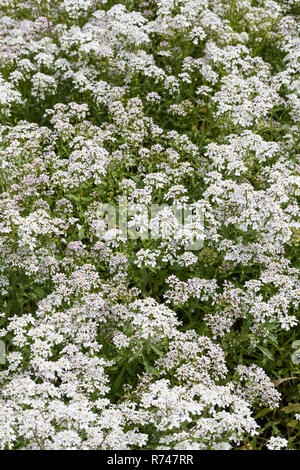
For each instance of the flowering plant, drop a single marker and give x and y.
(115, 338)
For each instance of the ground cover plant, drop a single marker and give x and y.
(121, 340)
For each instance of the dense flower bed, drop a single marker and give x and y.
(127, 342)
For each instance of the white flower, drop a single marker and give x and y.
(277, 443)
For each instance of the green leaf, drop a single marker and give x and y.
(293, 423)
(117, 382)
(81, 233)
(160, 353)
(262, 413)
(266, 353)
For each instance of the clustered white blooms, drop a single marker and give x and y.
(277, 443)
(94, 101)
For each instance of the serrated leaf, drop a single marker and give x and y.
(266, 353)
